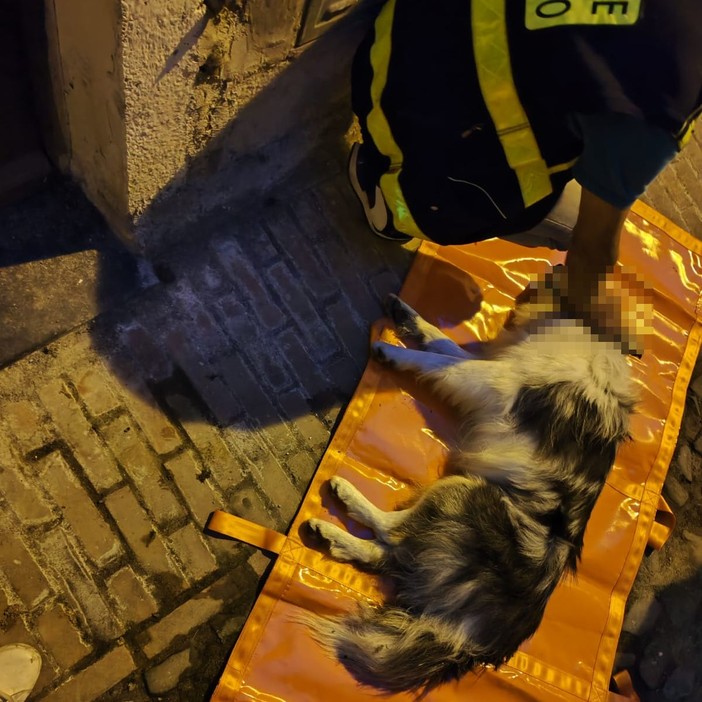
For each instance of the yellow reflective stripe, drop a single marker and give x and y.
(492, 60)
(685, 134)
(380, 129)
(560, 167)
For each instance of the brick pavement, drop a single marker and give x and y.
(677, 192)
(217, 388)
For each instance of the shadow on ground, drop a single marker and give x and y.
(264, 305)
(60, 266)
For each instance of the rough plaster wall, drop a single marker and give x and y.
(256, 108)
(188, 72)
(176, 107)
(302, 111)
(159, 66)
(89, 78)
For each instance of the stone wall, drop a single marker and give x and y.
(172, 109)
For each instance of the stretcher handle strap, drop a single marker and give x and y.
(241, 529)
(662, 527)
(625, 688)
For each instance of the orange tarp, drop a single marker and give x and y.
(393, 433)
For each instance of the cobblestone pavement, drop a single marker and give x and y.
(220, 387)
(217, 388)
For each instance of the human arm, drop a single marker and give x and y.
(621, 156)
(594, 247)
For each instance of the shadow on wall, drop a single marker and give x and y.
(302, 109)
(60, 266)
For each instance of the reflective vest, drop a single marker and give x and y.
(514, 72)
(539, 60)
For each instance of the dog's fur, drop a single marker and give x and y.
(476, 557)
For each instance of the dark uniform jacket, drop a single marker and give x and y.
(469, 102)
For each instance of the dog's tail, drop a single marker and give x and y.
(392, 650)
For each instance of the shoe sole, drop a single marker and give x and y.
(363, 198)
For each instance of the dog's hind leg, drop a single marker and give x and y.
(346, 548)
(365, 512)
(411, 325)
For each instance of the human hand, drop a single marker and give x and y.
(613, 302)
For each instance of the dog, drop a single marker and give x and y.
(475, 557)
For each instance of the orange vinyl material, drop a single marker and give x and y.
(393, 433)
(243, 530)
(662, 527)
(625, 686)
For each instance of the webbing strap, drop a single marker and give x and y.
(492, 60)
(248, 532)
(625, 686)
(663, 525)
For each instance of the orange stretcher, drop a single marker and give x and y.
(394, 434)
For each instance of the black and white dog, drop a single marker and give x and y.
(475, 558)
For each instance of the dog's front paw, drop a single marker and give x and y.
(400, 312)
(392, 305)
(381, 352)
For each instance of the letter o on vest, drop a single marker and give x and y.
(553, 8)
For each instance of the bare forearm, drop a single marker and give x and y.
(594, 247)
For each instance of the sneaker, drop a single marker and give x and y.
(19, 671)
(371, 198)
